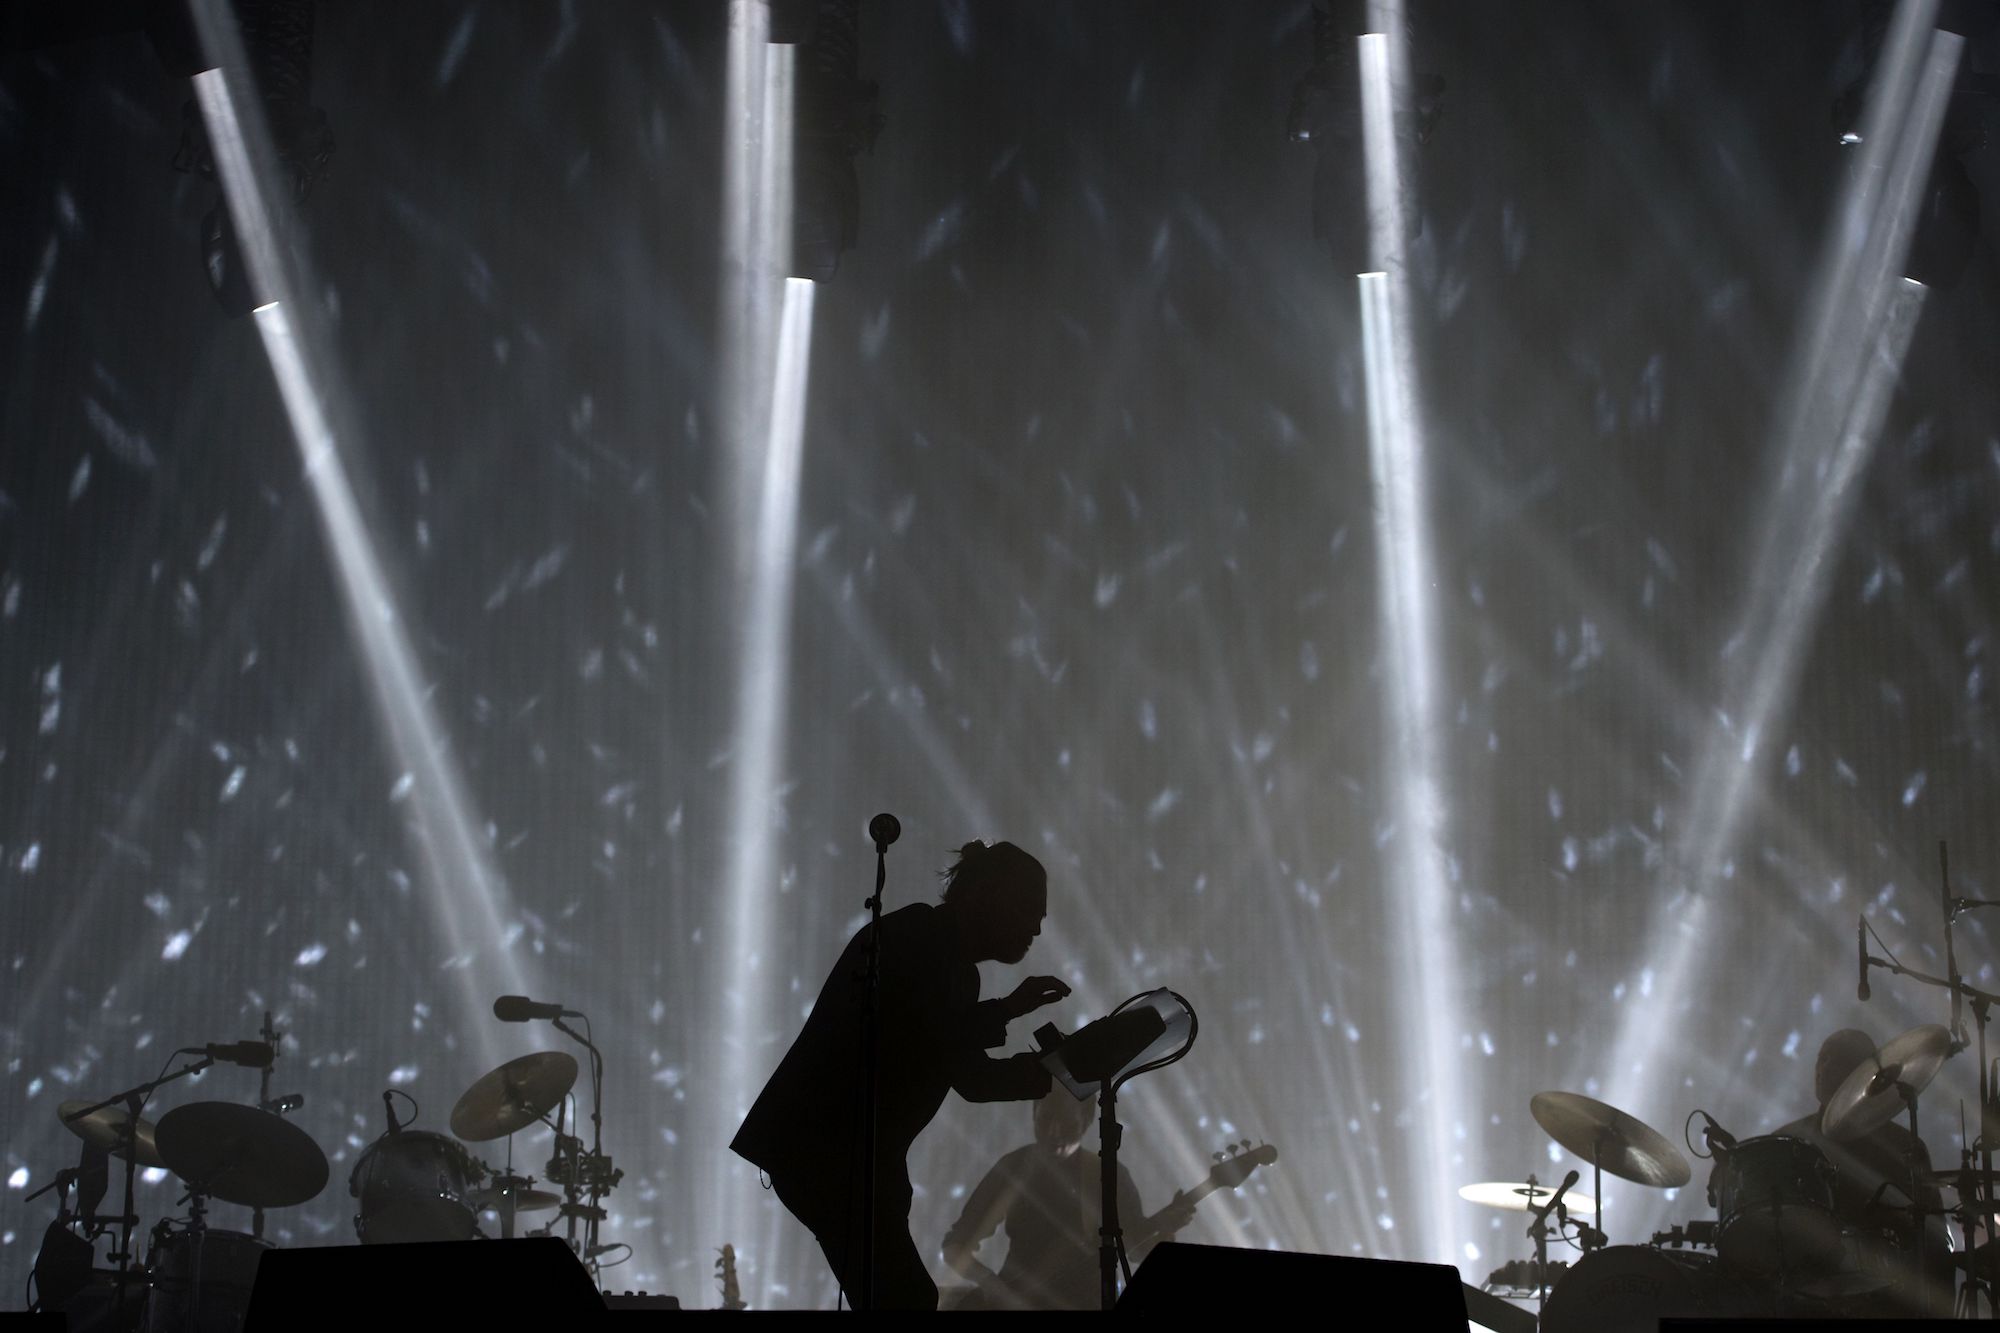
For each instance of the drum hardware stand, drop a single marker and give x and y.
(197, 1227)
(1981, 1002)
(1538, 1231)
(1989, 1085)
(134, 1100)
(272, 1036)
(590, 1172)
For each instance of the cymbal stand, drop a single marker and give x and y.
(1917, 1214)
(1981, 1002)
(1979, 1276)
(1597, 1178)
(198, 1229)
(134, 1100)
(271, 1035)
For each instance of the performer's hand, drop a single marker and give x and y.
(1035, 992)
(1177, 1214)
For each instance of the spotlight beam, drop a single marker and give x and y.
(467, 897)
(1857, 329)
(765, 352)
(1423, 912)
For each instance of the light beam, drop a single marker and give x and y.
(1426, 964)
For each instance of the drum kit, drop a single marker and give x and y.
(409, 1185)
(1780, 1243)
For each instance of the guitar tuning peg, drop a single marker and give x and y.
(1244, 1146)
(1217, 1156)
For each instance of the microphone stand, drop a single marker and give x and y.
(884, 829)
(601, 1177)
(1538, 1231)
(134, 1099)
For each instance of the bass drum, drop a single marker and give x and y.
(1630, 1288)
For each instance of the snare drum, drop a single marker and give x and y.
(1773, 1200)
(224, 1263)
(414, 1186)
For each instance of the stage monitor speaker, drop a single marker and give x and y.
(535, 1282)
(1181, 1279)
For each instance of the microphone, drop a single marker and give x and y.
(388, 1109)
(249, 1054)
(885, 828)
(1861, 952)
(1719, 1139)
(291, 1101)
(1556, 1200)
(521, 1009)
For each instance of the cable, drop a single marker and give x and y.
(1686, 1135)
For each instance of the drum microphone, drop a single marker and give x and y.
(1556, 1200)
(249, 1054)
(389, 1109)
(1861, 952)
(885, 828)
(1719, 1139)
(291, 1101)
(521, 1009)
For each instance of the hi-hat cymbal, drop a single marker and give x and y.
(1519, 1198)
(525, 1201)
(1608, 1138)
(240, 1154)
(514, 1096)
(104, 1128)
(1872, 1095)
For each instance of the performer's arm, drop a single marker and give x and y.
(1013, 1078)
(982, 1216)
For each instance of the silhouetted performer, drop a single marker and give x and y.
(1049, 1196)
(1878, 1219)
(805, 1129)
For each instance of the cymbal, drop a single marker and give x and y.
(514, 1096)
(1608, 1138)
(525, 1201)
(1522, 1197)
(1869, 1098)
(105, 1128)
(240, 1154)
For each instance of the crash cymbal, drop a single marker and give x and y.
(104, 1128)
(514, 1096)
(1870, 1098)
(240, 1154)
(1608, 1138)
(1519, 1198)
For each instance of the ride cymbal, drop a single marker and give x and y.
(240, 1154)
